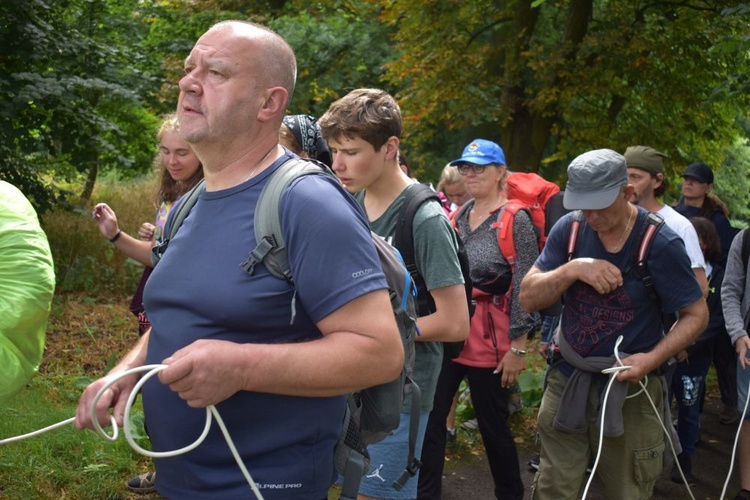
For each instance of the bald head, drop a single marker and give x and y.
(276, 66)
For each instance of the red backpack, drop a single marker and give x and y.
(530, 192)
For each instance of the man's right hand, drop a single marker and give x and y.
(114, 397)
(603, 276)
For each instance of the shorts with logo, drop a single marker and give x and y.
(388, 461)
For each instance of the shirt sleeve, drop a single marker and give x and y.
(436, 247)
(331, 253)
(525, 242)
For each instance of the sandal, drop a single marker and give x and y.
(143, 483)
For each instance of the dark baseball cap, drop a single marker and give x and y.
(594, 180)
(700, 172)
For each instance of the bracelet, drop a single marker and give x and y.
(117, 235)
(518, 352)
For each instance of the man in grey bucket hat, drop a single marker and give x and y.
(605, 299)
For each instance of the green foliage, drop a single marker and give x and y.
(84, 260)
(531, 383)
(338, 50)
(552, 81)
(732, 184)
(66, 91)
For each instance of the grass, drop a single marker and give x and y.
(82, 340)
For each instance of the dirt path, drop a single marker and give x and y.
(470, 478)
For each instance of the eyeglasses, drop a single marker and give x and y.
(463, 168)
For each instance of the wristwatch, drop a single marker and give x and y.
(518, 352)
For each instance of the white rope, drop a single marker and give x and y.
(734, 447)
(211, 412)
(614, 371)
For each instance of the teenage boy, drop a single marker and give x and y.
(363, 130)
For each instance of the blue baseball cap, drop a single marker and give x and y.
(481, 152)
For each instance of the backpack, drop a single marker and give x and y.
(403, 240)
(373, 413)
(542, 200)
(647, 230)
(531, 192)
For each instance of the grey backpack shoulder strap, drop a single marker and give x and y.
(270, 247)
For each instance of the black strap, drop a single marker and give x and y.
(403, 240)
(745, 249)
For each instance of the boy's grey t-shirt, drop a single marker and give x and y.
(435, 253)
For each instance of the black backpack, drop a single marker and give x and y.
(403, 240)
(373, 413)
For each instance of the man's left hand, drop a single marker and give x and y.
(205, 373)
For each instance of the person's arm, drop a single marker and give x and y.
(134, 248)
(435, 250)
(450, 321)
(361, 347)
(522, 323)
(690, 324)
(541, 289)
(700, 276)
(732, 293)
(116, 396)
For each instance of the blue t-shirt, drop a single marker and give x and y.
(199, 291)
(591, 322)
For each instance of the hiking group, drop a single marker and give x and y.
(276, 296)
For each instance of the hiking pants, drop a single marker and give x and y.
(490, 403)
(629, 465)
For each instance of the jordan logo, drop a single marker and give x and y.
(376, 473)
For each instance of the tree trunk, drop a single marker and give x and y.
(527, 133)
(93, 172)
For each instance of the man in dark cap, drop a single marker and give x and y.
(605, 301)
(697, 200)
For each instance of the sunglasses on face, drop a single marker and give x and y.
(463, 168)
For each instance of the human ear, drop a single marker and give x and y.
(391, 148)
(274, 102)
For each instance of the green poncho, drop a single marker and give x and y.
(27, 283)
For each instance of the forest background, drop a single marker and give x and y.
(83, 82)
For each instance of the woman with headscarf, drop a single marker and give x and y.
(301, 135)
